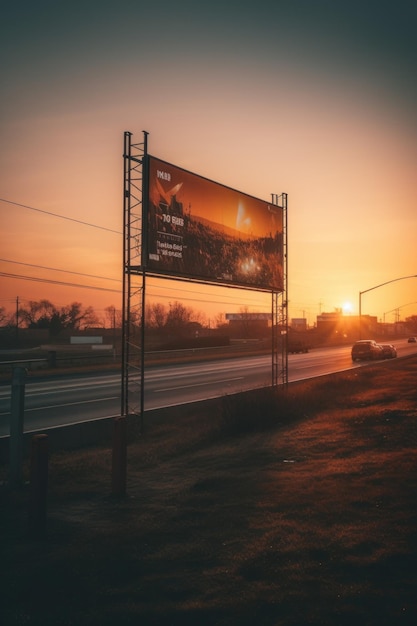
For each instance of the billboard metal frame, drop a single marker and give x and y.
(135, 244)
(279, 306)
(133, 304)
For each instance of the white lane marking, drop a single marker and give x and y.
(58, 406)
(226, 380)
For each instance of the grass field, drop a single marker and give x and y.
(271, 509)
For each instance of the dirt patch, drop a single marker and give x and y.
(312, 520)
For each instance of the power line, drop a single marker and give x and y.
(30, 278)
(95, 288)
(63, 217)
(57, 282)
(181, 296)
(234, 298)
(54, 269)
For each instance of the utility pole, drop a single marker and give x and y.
(304, 315)
(17, 321)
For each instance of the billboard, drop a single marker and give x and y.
(202, 230)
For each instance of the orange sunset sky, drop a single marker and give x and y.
(315, 99)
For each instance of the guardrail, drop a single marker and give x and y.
(23, 361)
(70, 358)
(53, 361)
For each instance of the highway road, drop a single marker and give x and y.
(70, 399)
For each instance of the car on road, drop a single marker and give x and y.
(388, 351)
(366, 349)
(412, 340)
(297, 347)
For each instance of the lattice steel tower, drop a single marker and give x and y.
(280, 305)
(133, 308)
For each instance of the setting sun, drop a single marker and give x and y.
(347, 308)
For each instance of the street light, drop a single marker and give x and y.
(371, 289)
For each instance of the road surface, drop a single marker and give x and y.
(70, 399)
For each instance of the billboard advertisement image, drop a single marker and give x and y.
(202, 230)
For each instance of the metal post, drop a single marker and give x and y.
(38, 485)
(142, 352)
(16, 424)
(134, 257)
(126, 275)
(119, 456)
(17, 322)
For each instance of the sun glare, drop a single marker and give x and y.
(347, 308)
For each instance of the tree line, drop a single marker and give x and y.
(43, 314)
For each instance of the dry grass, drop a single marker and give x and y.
(273, 510)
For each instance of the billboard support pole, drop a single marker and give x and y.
(280, 306)
(125, 273)
(133, 305)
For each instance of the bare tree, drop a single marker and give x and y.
(199, 316)
(113, 316)
(90, 319)
(220, 320)
(43, 314)
(178, 316)
(37, 314)
(156, 315)
(72, 315)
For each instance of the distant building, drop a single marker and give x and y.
(249, 324)
(334, 326)
(237, 317)
(299, 323)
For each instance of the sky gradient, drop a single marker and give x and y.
(315, 99)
